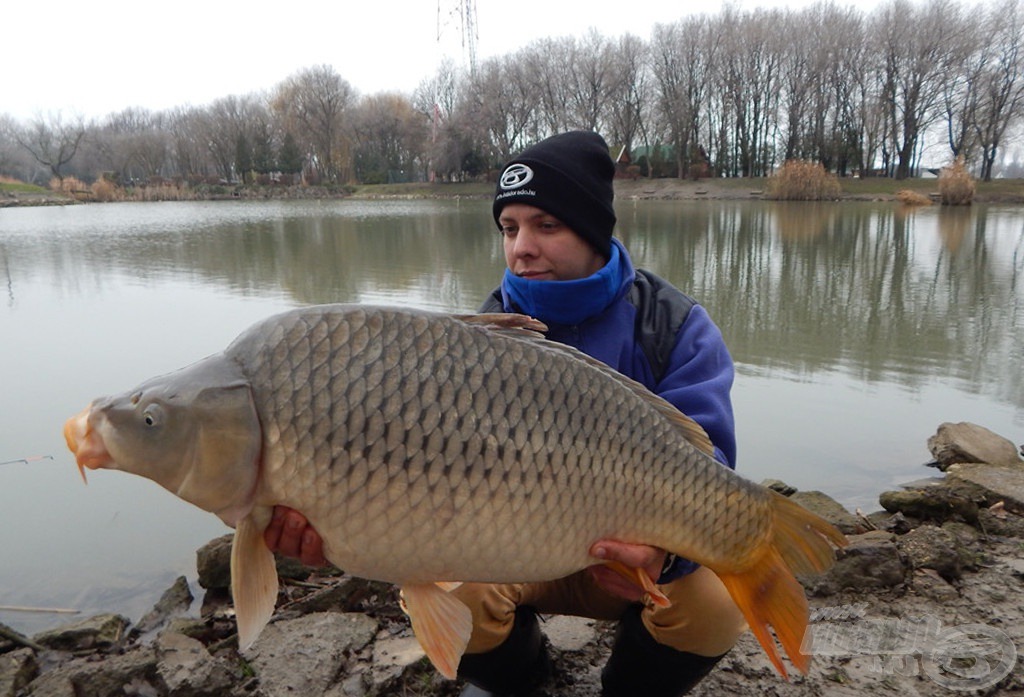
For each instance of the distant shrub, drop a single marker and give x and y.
(956, 186)
(68, 185)
(912, 198)
(105, 190)
(73, 187)
(801, 180)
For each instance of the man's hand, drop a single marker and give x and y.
(290, 534)
(650, 559)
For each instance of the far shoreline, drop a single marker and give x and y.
(1000, 191)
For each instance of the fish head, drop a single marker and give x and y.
(195, 432)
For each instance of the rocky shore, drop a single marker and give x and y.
(927, 599)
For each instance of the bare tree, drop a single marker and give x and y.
(591, 78)
(683, 58)
(52, 141)
(1001, 98)
(916, 42)
(189, 155)
(550, 62)
(751, 74)
(132, 144)
(389, 139)
(629, 91)
(502, 99)
(314, 102)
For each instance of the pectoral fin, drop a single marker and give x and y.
(253, 577)
(640, 578)
(442, 624)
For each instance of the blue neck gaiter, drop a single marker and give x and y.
(566, 302)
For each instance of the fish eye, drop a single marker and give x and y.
(152, 415)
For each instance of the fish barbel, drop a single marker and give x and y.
(429, 450)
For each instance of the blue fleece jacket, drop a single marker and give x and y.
(594, 315)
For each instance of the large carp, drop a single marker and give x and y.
(432, 449)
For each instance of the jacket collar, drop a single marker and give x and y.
(570, 302)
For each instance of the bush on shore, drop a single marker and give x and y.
(801, 180)
(956, 185)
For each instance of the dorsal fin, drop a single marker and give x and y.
(523, 326)
(528, 328)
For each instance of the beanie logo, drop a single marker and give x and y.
(515, 176)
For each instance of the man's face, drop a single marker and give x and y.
(540, 247)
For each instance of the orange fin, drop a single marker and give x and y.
(442, 624)
(640, 578)
(767, 591)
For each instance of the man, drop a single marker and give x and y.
(553, 207)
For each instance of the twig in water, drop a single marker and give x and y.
(22, 608)
(27, 460)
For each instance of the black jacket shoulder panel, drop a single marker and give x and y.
(493, 303)
(661, 310)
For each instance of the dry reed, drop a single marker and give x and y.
(912, 198)
(956, 185)
(801, 180)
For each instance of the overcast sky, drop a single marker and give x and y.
(97, 58)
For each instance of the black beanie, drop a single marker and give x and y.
(569, 176)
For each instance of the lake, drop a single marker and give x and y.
(857, 328)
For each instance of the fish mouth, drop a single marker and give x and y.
(86, 444)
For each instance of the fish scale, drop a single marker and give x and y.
(366, 353)
(429, 448)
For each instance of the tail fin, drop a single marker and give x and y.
(768, 593)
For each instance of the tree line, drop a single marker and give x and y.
(731, 94)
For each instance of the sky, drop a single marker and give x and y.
(73, 58)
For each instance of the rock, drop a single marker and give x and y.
(929, 547)
(831, 510)
(871, 560)
(896, 523)
(967, 442)
(189, 626)
(98, 632)
(176, 599)
(213, 563)
(1000, 522)
(990, 483)
(10, 639)
(306, 655)
(186, 669)
(936, 503)
(392, 660)
(929, 584)
(17, 669)
(345, 595)
(131, 673)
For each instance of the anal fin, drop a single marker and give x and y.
(442, 624)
